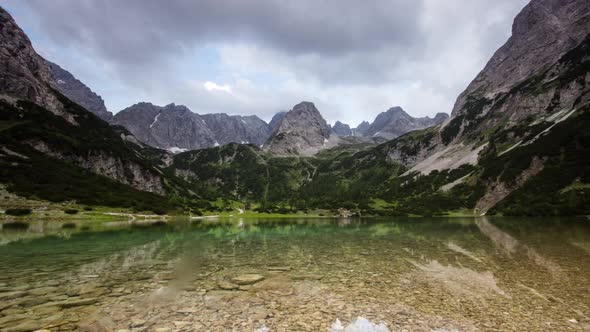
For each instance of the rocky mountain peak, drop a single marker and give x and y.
(361, 129)
(302, 131)
(341, 129)
(395, 122)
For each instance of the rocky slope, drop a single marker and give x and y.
(23, 73)
(530, 79)
(176, 128)
(78, 92)
(542, 34)
(302, 131)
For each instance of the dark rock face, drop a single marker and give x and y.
(176, 128)
(78, 92)
(341, 129)
(302, 131)
(396, 122)
(23, 73)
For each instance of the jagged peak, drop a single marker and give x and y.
(396, 109)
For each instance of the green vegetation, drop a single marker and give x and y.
(36, 175)
(42, 157)
(561, 188)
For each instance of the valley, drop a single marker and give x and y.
(138, 213)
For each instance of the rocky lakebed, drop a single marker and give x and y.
(460, 274)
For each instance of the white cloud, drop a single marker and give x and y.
(212, 86)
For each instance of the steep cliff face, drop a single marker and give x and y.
(23, 73)
(302, 131)
(176, 128)
(78, 92)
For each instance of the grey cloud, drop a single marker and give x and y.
(134, 31)
(337, 41)
(326, 47)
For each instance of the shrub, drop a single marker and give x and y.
(159, 211)
(15, 225)
(18, 212)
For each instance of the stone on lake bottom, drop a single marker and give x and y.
(227, 285)
(247, 279)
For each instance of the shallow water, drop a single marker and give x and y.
(417, 274)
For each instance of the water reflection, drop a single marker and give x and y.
(302, 274)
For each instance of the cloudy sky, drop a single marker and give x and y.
(352, 58)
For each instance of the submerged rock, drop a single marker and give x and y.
(24, 327)
(227, 285)
(12, 295)
(76, 302)
(247, 279)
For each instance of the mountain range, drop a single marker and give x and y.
(516, 143)
(177, 129)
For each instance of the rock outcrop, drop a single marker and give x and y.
(302, 131)
(78, 92)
